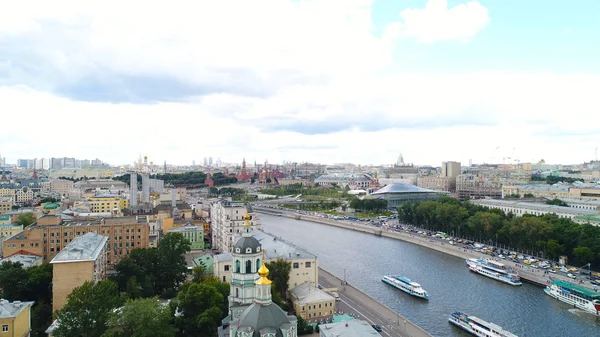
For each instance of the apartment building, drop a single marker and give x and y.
(227, 221)
(50, 234)
(6, 231)
(304, 264)
(6, 204)
(519, 208)
(444, 184)
(478, 186)
(57, 187)
(83, 259)
(15, 318)
(312, 303)
(194, 234)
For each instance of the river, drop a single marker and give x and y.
(525, 311)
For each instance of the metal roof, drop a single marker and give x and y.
(12, 309)
(83, 248)
(351, 328)
(402, 188)
(259, 317)
(533, 206)
(25, 260)
(274, 248)
(306, 293)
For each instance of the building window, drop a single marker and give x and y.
(248, 267)
(296, 265)
(224, 280)
(226, 267)
(257, 264)
(307, 264)
(237, 266)
(4, 328)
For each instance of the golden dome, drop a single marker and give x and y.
(263, 272)
(247, 218)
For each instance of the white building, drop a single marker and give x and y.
(227, 221)
(344, 179)
(519, 208)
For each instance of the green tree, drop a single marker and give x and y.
(200, 304)
(13, 281)
(303, 327)
(279, 273)
(198, 274)
(557, 202)
(172, 267)
(87, 310)
(142, 317)
(25, 219)
(584, 254)
(554, 249)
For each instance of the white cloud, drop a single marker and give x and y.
(437, 22)
(297, 80)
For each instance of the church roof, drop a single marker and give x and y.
(247, 242)
(260, 317)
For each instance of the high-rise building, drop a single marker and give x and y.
(450, 169)
(205, 161)
(227, 222)
(210, 161)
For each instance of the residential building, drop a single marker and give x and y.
(194, 234)
(15, 318)
(108, 203)
(312, 303)
(519, 208)
(50, 233)
(478, 186)
(227, 221)
(437, 183)
(451, 169)
(5, 219)
(304, 264)
(6, 231)
(57, 187)
(83, 259)
(558, 191)
(351, 328)
(6, 204)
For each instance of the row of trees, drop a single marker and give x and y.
(190, 179)
(551, 180)
(221, 179)
(548, 234)
(235, 193)
(369, 205)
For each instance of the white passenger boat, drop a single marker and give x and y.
(405, 285)
(477, 326)
(575, 295)
(495, 270)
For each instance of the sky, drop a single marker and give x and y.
(329, 81)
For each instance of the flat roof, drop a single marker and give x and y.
(306, 293)
(26, 260)
(351, 328)
(83, 248)
(402, 188)
(534, 206)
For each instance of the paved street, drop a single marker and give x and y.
(353, 301)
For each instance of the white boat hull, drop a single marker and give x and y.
(408, 291)
(582, 304)
(462, 325)
(496, 276)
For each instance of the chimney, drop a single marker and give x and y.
(173, 198)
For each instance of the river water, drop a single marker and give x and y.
(525, 310)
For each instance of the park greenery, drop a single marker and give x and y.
(234, 193)
(31, 284)
(557, 202)
(185, 179)
(551, 180)
(299, 188)
(547, 236)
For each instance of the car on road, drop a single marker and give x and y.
(569, 275)
(377, 328)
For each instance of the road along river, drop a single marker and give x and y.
(364, 258)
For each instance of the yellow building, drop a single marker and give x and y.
(15, 318)
(312, 303)
(5, 204)
(84, 259)
(108, 203)
(9, 230)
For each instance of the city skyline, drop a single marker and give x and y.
(364, 81)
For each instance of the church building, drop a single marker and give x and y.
(252, 312)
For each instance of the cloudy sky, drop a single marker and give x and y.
(322, 81)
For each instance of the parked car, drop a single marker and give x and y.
(377, 328)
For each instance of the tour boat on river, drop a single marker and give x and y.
(578, 296)
(492, 269)
(477, 326)
(405, 285)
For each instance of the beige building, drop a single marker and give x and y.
(57, 186)
(312, 303)
(227, 222)
(445, 184)
(519, 208)
(15, 318)
(6, 231)
(50, 234)
(23, 195)
(84, 259)
(6, 204)
(451, 169)
(304, 264)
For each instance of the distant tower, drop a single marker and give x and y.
(165, 168)
(133, 190)
(145, 188)
(400, 161)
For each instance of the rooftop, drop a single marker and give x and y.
(188, 227)
(343, 176)
(577, 288)
(4, 217)
(352, 328)
(581, 201)
(12, 309)
(534, 206)
(305, 293)
(545, 187)
(402, 188)
(83, 248)
(25, 260)
(275, 248)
